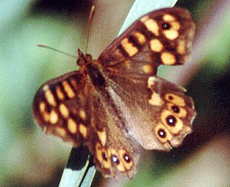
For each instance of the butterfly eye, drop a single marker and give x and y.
(166, 26)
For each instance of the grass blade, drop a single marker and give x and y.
(77, 168)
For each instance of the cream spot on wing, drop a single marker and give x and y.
(171, 34)
(181, 47)
(140, 37)
(61, 131)
(168, 58)
(168, 17)
(69, 91)
(102, 136)
(46, 116)
(83, 130)
(98, 150)
(53, 117)
(50, 97)
(175, 25)
(152, 26)
(59, 93)
(64, 110)
(156, 99)
(129, 47)
(82, 114)
(175, 99)
(42, 106)
(72, 125)
(143, 19)
(128, 64)
(147, 68)
(156, 45)
(118, 54)
(151, 81)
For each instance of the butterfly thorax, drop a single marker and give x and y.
(91, 69)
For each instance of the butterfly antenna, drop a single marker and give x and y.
(89, 25)
(53, 49)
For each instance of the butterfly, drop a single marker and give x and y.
(116, 104)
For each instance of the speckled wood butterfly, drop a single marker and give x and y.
(115, 104)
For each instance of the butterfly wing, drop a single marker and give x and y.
(156, 113)
(61, 109)
(114, 152)
(71, 109)
(160, 37)
(120, 102)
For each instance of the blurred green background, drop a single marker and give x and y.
(29, 158)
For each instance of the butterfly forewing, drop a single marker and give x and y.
(160, 37)
(60, 108)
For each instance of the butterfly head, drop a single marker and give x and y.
(83, 59)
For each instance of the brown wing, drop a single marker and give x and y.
(129, 108)
(114, 152)
(160, 37)
(60, 107)
(157, 113)
(73, 110)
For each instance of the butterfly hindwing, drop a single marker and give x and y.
(114, 152)
(144, 107)
(174, 116)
